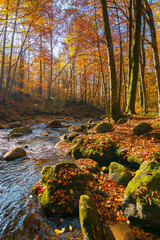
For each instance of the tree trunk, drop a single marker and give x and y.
(150, 21)
(135, 62)
(115, 107)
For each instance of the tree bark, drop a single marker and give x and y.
(135, 62)
(115, 107)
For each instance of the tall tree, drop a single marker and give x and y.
(115, 106)
(135, 62)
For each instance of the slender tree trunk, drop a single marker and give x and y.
(115, 107)
(101, 64)
(4, 51)
(40, 76)
(150, 21)
(130, 41)
(135, 62)
(142, 70)
(51, 71)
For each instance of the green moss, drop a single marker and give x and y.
(89, 219)
(119, 173)
(141, 128)
(104, 127)
(146, 181)
(134, 161)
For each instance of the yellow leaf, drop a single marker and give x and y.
(71, 191)
(57, 231)
(70, 228)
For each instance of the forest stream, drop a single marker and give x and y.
(20, 214)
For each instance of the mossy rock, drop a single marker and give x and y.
(75, 128)
(134, 161)
(119, 173)
(121, 121)
(90, 222)
(101, 150)
(142, 128)
(141, 199)
(14, 135)
(104, 127)
(24, 130)
(72, 136)
(88, 164)
(54, 124)
(60, 188)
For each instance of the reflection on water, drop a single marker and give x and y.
(20, 214)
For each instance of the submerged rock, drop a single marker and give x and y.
(60, 188)
(141, 128)
(14, 153)
(142, 197)
(119, 173)
(15, 135)
(90, 222)
(16, 124)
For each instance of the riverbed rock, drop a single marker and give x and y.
(14, 153)
(16, 135)
(54, 124)
(141, 128)
(142, 197)
(22, 130)
(104, 127)
(88, 164)
(101, 150)
(90, 222)
(60, 188)
(119, 231)
(119, 173)
(134, 161)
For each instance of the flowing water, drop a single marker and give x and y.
(20, 214)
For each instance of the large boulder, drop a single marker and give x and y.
(119, 173)
(14, 153)
(141, 199)
(90, 222)
(22, 130)
(60, 188)
(141, 128)
(104, 127)
(54, 124)
(101, 150)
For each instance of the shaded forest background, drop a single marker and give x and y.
(64, 51)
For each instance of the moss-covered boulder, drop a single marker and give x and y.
(72, 136)
(14, 153)
(90, 222)
(134, 161)
(119, 173)
(104, 127)
(75, 128)
(54, 124)
(22, 130)
(101, 149)
(142, 197)
(141, 128)
(60, 188)
(88, 164)
(121, 121)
